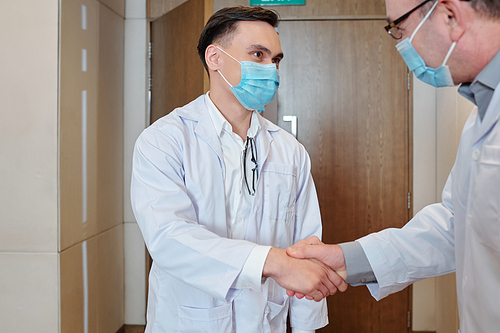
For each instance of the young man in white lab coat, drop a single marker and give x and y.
(444, 42)
(219, 192)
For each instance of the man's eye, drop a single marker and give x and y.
(276, 61)
(400, 29)
(258, 54)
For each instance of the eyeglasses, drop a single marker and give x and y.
(392, 28)
(255, 172)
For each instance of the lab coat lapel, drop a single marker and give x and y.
(491, 116)
(265, 140)
(198, 111)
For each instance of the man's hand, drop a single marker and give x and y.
(307, 277)
(330, 255)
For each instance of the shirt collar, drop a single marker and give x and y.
(221, 124)
(489, 78)
(490, 75)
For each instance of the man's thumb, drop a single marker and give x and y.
(300, 252)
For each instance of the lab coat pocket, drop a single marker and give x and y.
(275, 316)
(280, 190)
(200, 320)
(280, 193)
(485, 202)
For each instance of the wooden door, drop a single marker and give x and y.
(177, 73)
(347, 85)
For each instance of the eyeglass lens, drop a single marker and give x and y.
(392, 27)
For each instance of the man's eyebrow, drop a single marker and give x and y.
(258, 47)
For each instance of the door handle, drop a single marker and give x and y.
(293, 120)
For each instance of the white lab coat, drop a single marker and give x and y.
(462, 233)
(178, 199)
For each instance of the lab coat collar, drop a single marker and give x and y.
(264, 139)
(197, 111)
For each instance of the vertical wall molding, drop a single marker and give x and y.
(84, 156)
(135, 120)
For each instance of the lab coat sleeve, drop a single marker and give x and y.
(424, 247)
(251, 273)
(307, 314)
(167, 218)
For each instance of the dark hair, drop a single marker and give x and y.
(222, 25)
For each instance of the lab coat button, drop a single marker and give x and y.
(475, 154)
(238, 219)
(363, 280)
(468, 219)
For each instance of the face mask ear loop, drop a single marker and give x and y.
(233, 59)
(225, 79)
(449, 53)
(229, 55)
(423, 20)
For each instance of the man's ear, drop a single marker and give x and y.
(456, 17)
(212, 58)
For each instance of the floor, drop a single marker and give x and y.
(132, 329)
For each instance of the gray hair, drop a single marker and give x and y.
(487, 8)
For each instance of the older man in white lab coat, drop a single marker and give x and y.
(444, 42)
(219, 192)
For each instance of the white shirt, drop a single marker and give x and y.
(238, 199)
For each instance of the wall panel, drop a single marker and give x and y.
(72, 289)
(157, 8)
(29, 292)
(109, 187)
(118, 6)
(106, 281)
(92, 283)
(28, 126)
(91, 166)
(78, 121)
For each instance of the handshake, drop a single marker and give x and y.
(309, 269)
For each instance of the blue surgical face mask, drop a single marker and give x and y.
(258, 84)
(437, 77)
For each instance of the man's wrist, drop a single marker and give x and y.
(274, 262)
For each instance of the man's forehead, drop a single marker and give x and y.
(397, 8)
(256, 36)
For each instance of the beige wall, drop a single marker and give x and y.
(59, 261)
(28, 172)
